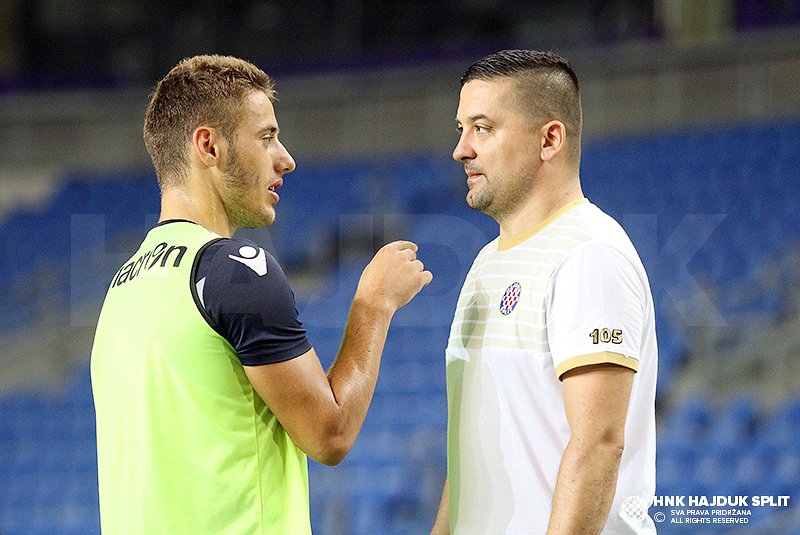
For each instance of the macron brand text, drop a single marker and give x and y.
(158, 255)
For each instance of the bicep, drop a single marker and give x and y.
(298, 393)
(596, 400)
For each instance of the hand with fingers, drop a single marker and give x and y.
(393, 277)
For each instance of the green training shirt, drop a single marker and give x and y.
(184, 443)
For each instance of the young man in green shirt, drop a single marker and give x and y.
(208, 394)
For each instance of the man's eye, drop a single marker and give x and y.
(480, 129)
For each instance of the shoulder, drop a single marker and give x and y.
(596, 257)
(246, 298)
(599, 272)
(235, 255)
(602, 228)
(605, 253)
(239, 275)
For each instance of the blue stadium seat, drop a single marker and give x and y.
(783, 429)
(785, 480)
(674, 460)
(689, 423)
(330, 306)
(735, 425)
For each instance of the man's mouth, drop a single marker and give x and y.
(473, 175)
(274, 187)
(472, 172)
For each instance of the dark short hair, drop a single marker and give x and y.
(201, 90)
(547, 85)
(517, 62)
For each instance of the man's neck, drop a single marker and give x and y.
(537, 210)
(197, 206)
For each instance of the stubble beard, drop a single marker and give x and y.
(239, 183)
(498, 203)
(481, 198)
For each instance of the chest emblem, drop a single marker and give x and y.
(510, 298)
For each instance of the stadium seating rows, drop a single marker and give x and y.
(709, 206)
(390, 482)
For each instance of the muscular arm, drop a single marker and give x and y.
(323, 413)
(596, 403)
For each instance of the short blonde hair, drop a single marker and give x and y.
(201, 90)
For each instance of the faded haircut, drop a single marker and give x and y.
(199, 91)
(547, 87)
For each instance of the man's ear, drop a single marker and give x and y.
(207, 145)
(554, 139)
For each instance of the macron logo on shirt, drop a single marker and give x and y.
(252, 258)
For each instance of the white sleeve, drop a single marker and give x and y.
(595, 309)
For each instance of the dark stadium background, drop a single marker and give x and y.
(692, 141)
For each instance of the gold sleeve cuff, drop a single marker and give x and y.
(606, 357)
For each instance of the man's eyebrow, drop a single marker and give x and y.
(474, 118)
(269, 129)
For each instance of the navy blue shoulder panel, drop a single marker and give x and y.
(245, 296)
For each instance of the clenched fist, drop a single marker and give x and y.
(393, 277)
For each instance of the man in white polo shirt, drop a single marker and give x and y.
(551, 361)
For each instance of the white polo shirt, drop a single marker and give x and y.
(570, 292)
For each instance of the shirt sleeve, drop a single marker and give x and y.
(595, 309)
(246, 298)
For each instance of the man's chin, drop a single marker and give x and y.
(477, 201)
(267, 221)
(257, 221)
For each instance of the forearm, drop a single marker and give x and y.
(354, 373)
(585, 487)
(323, 413)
